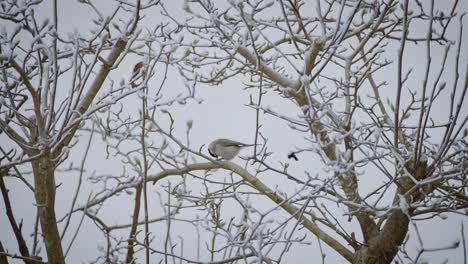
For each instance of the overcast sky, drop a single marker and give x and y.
(221, 114)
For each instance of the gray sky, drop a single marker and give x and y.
(221, 114)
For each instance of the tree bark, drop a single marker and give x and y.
(383, 247)
(3, 258)
(44, 180)
(23, 248)
(133, 230)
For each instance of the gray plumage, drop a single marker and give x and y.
(226, 148)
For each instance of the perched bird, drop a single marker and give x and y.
(225, 148)
(138, 74)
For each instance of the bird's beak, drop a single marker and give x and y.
(212, 154)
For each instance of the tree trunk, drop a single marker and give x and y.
(44, 181)
(384, 247)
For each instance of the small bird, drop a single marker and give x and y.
(138, 74)
(292, 155)
(225, 148)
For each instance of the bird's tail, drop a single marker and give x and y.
(251, 145)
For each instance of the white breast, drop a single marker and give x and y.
(227, 153)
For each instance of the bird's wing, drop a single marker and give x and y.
(232, 143)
